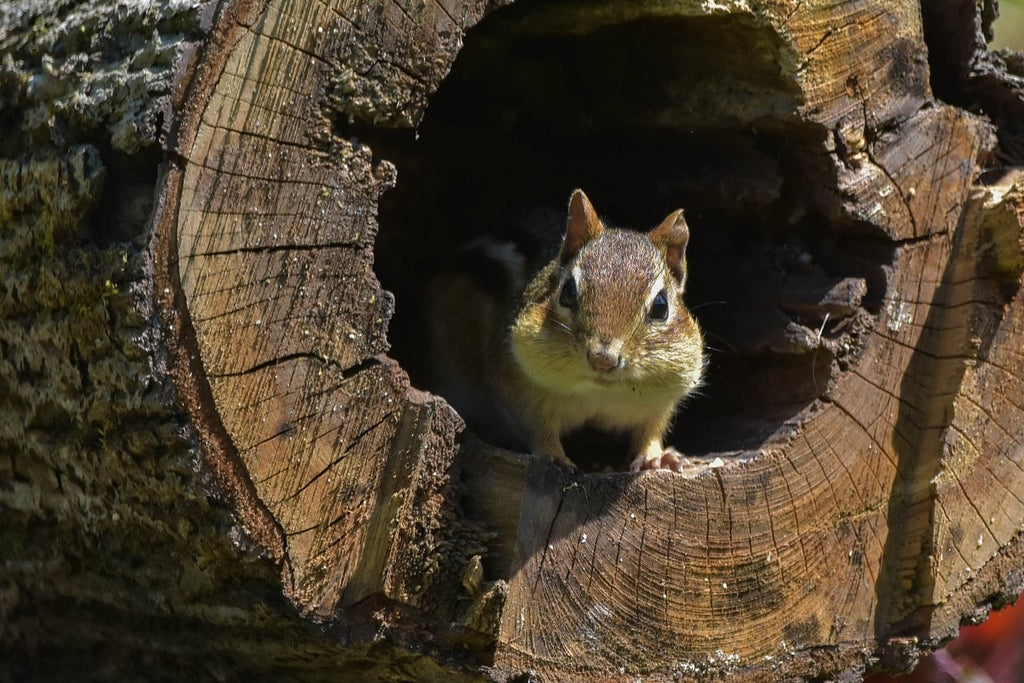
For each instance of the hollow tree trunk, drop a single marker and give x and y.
(869, 415)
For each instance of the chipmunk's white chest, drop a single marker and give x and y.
(613, 406)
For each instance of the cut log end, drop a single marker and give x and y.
(855, 338)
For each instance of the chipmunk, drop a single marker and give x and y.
(600, 337)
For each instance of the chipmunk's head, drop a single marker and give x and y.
(609, 310)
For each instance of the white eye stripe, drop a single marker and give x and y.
(568, 295)
(576, 275)
(657, 287)
(659, 309)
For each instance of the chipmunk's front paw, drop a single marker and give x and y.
(566, 463)
(668, 459)
(562, 460)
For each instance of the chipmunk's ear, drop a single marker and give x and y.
(583, 226)
(671, 237)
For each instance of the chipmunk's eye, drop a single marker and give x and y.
(569, 296)
(659, 307)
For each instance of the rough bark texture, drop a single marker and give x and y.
(119, 557)
(868, 413)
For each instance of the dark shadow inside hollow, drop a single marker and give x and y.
(647, 114)
(964, 72)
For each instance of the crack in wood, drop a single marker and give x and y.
(667, 576)
(707, 546)
(593, 562)
(346, 373)
(448, 14)
(952, 542)
(278, 37)
(867, 512)
(547, 540)
(974, 506)
(273, 141)
(821, 41)
(618, 551)
(405, 12)
(640, 561)
(771, 528)
(863, 428)
(275, 248)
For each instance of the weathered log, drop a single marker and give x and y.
(846, 523)
(870, 438)
(119, 558)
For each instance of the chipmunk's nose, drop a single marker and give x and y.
(604, 356)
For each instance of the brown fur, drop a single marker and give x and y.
(553, 381)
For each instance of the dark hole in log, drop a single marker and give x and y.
(647, 114)
(127, 197)
(966, 74)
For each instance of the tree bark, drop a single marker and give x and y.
(120, 557)
(251, 436)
